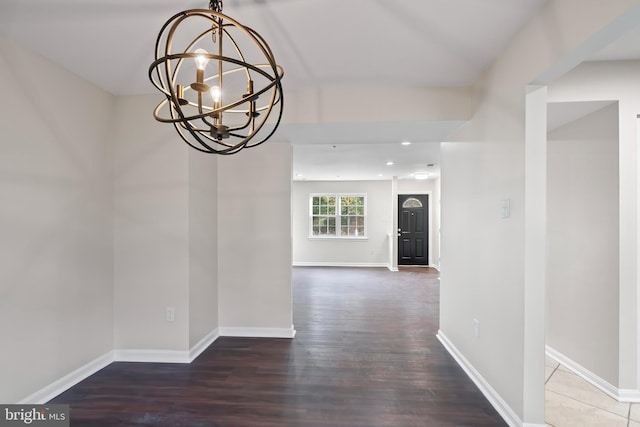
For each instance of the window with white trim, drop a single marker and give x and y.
(338, 215)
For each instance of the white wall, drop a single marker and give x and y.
(109, 218)
(596, 81)
(481, 263)
(203, 245)
(474, 178)
(582, 309)
(372, 251)
(254, 239)
(56, 251)
(353, 104)
(151, 229)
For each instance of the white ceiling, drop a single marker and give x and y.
(319, 42)
(421, 43)
(626, 47)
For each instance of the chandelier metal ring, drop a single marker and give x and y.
(227, 110)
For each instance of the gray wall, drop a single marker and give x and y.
(582, 292)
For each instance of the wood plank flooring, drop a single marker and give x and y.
(365, 354)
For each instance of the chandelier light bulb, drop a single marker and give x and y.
(216, 94)
(201, 59)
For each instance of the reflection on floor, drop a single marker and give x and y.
(571, 401)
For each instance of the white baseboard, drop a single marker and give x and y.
(149, 356)
(63, 384)
(492, 396)
(629, 395)
(203, 344)
(621, 395)
(258, 332)
(391, 268)
(152, 356)
(340, 264)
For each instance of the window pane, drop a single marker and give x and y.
(339, 216)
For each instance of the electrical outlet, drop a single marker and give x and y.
(171, 314)
(476, 328)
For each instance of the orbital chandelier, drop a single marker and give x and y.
(220, 81)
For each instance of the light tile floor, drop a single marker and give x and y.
(571, 401)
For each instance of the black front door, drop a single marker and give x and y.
(413, 229)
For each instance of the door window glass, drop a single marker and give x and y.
(412, 202)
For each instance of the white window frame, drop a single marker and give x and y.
(337, 216)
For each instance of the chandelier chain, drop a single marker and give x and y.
(215, 5)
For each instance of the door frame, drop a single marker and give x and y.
(426, 198)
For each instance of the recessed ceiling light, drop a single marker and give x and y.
(406, 143)
(389, 163)
(421, 175)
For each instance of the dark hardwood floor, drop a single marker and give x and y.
(365, 354)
